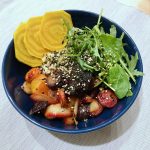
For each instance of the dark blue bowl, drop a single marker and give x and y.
(13, 76)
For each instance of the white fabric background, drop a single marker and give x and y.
(130, 132)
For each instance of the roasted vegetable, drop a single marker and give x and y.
(50, 98)
(107, 98)
(95, 108)
(83, 112)
(56, 111)
(61, 97)
(26, 87)
(32, 74)
(39, 86)
(38, 107)
(51, 82)
(69, 121)
(86, 99)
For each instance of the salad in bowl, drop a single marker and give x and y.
(74, 73)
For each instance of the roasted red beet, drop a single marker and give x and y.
(83, 112)
(38, 107)
(86, 100)
(107, 98)
(61, 97)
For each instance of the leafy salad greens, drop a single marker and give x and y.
(103, 54)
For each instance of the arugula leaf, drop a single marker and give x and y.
(115, 52)
(96, 27)
(85, 66)
(113, 31)
(102, 30)
(122, 36)
(132, 65)
(112, 47)
(129, 93)
(119, 80)
(95, 49)
(127, 70)
(137, 73)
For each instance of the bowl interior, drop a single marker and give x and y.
(13, 76)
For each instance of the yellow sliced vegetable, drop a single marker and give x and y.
(54, 28)
(31, 39)
(21, 52)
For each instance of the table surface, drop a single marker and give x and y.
(131, 131)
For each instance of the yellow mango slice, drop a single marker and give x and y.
(21, 52)
(31, 39)
(54, 28)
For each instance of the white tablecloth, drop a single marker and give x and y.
(130, 132)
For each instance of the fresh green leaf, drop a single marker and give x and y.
(122, 36)
(127, 70)
(112, 47)
(113, 31)
(119, 80)
(129, 93)
(132, 63)
(109, 86)
(102, 30)
(96, 27)
(137, 73)
(85, 66)
(95, 49)
(132, 66)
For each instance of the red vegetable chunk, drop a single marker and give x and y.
(107, 98)
(56, 111)
(95, 108)
(61, 97)
(69, 121)
(32, 74)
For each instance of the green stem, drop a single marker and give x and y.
(97, 29)
(71, 55)
(84, 65)
(99, 18)
(109, 86)
(127, 70)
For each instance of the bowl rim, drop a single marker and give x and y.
(85, 130)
